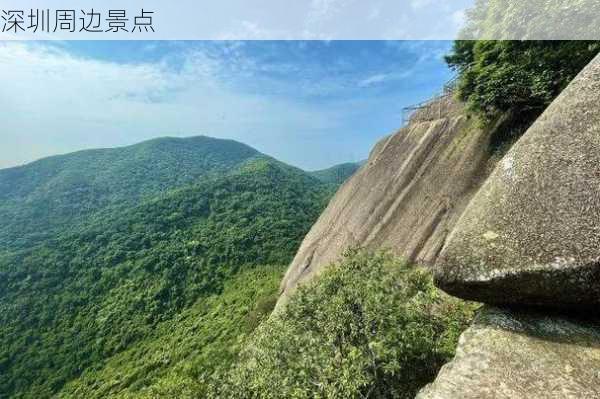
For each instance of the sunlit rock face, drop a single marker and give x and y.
(531, 235)
(522, 355)
(406, 197)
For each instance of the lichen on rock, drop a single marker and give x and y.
(521, 355)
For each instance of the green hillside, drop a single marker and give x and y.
(38, 198)
(148, 271)
(337, 174)
(151, 258)
(179, 359)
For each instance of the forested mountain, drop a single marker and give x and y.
(148, 271)
(156, 240)
(337, 174)
(37, 198)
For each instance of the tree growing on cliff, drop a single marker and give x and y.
(517, 78)
(372, 326)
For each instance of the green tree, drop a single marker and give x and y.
(86, 301)
(519, 78)
(371, 326)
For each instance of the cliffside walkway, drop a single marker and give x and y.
(448, 91)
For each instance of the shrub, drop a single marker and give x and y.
(371, 326)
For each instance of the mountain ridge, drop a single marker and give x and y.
(46, 195)
(94, 285)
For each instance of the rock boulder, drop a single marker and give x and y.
(531, 235)
(522, 355)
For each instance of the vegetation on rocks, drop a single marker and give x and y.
(531, 19)
(149, 271)
(371, 326)
(516, 80)
(530, 235)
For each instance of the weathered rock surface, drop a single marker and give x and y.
(406, 197)
(514, 355)
(531, 235)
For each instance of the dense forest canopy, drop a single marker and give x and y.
(337, 174)
(111, 281)
(45, 196)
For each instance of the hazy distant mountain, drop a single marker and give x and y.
(337, 174)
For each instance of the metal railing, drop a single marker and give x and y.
(448, 90)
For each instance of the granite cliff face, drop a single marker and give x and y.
(407, 197)
(527, 238)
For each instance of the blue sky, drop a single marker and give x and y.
(309, 103)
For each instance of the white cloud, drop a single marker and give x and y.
(54, 102)
(373, 80)
(298, 102)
